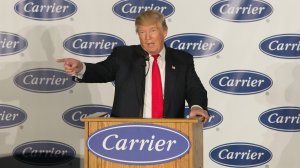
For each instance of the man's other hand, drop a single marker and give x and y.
(198, 112)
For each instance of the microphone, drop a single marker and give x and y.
(146, 64)
(147, 59)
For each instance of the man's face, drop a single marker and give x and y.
(152, 37)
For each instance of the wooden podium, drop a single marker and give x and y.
(191, 128)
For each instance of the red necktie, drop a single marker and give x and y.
(157, 94)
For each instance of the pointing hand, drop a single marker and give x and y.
(71, 66)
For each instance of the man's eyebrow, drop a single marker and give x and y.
(154, 27)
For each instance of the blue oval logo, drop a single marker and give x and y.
(44, 80)
(241, 10)
(215, 118)
(138, 144)
(74, 115)
(285, 46)
(199, 45)
(285, 119)
(92, 44)
(240, 155)
(45, 10)
(11, 116)
(241, 82)
(44, 153)
(11, 43)
(130, 9)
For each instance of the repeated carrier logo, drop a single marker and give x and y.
(240, 155)
(11, 116)
(92, 44)
(11, 43)
(241, 82)
(285, 46)
(44, 153)
(45, 10)
(44, 80)
(199, 45)
(241, 10)
(130, 9)
(139, 144)
(285, 119)
(74, 115)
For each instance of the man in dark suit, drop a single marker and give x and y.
(130, 68)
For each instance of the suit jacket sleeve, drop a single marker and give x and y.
(196, 93)
(101, 72)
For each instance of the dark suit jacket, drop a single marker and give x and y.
(126, 66)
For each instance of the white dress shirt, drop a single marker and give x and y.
(161, 61)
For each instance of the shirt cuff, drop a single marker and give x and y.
(80, 74)
(196, 106)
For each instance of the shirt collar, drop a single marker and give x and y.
(162, 54)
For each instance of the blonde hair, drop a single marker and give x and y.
(150, 17)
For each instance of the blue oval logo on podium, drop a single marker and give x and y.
(45, 10)
(138, 144)
(92, 44)
(44, 153)
(241, 82)
(130, 9)
(199, 45)
(285, 119)
(286, 46)
(44, 80)
(240, 155)
(11, 43)
(11, 116)
(74, 115)
(241, 10)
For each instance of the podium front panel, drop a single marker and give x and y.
(191, 128)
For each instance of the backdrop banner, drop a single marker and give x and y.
(246, 53)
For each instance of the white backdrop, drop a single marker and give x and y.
(40, 106)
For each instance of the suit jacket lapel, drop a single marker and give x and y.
(139, 71)
(170, 79)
